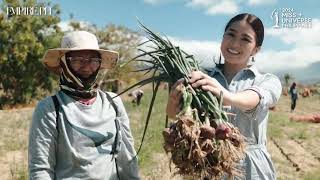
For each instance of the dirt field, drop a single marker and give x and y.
(294, 146)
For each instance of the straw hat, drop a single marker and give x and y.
(75, 41)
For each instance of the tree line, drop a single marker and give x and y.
(24, 40)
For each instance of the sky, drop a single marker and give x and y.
(197, 25)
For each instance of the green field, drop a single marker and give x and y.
(294, 146)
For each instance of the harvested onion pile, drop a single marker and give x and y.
(200, 141)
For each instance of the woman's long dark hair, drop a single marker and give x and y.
(255, 23)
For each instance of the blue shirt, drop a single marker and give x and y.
(253, 123)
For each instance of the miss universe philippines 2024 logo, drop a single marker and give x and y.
(289, 18)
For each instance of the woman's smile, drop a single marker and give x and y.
(233, 52)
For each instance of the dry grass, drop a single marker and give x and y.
(14, 125)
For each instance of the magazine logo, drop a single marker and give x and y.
(289, 18)
(28, 11)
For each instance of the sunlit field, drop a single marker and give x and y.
(294, 146)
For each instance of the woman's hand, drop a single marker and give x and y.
(200, 80)
(173, 105)
(244, 100)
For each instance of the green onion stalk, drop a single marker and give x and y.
(201, 141)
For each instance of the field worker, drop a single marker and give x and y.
(293, 95)
(81, 132)
(137, 96)
(248, 92)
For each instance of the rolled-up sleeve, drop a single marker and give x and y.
(269, 89)
(42, 142)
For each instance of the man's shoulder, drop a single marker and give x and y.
(44, 107)
(46, 102)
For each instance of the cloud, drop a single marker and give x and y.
(204, 51)
(156, 2)
(152, 2)
(297, 57)
(213, 7)
(299, 37)
(224, 7)
(261, 2)
(65, 25)
(201, 3)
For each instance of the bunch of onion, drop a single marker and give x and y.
(200, 141)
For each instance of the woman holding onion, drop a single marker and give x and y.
(248, 92)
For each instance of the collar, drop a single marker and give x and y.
(88, 101)
(251, 68)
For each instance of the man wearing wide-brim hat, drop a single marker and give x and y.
(81, 132)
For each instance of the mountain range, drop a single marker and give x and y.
(305, 75)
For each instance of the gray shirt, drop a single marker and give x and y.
(79, 148)
(253, 123)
